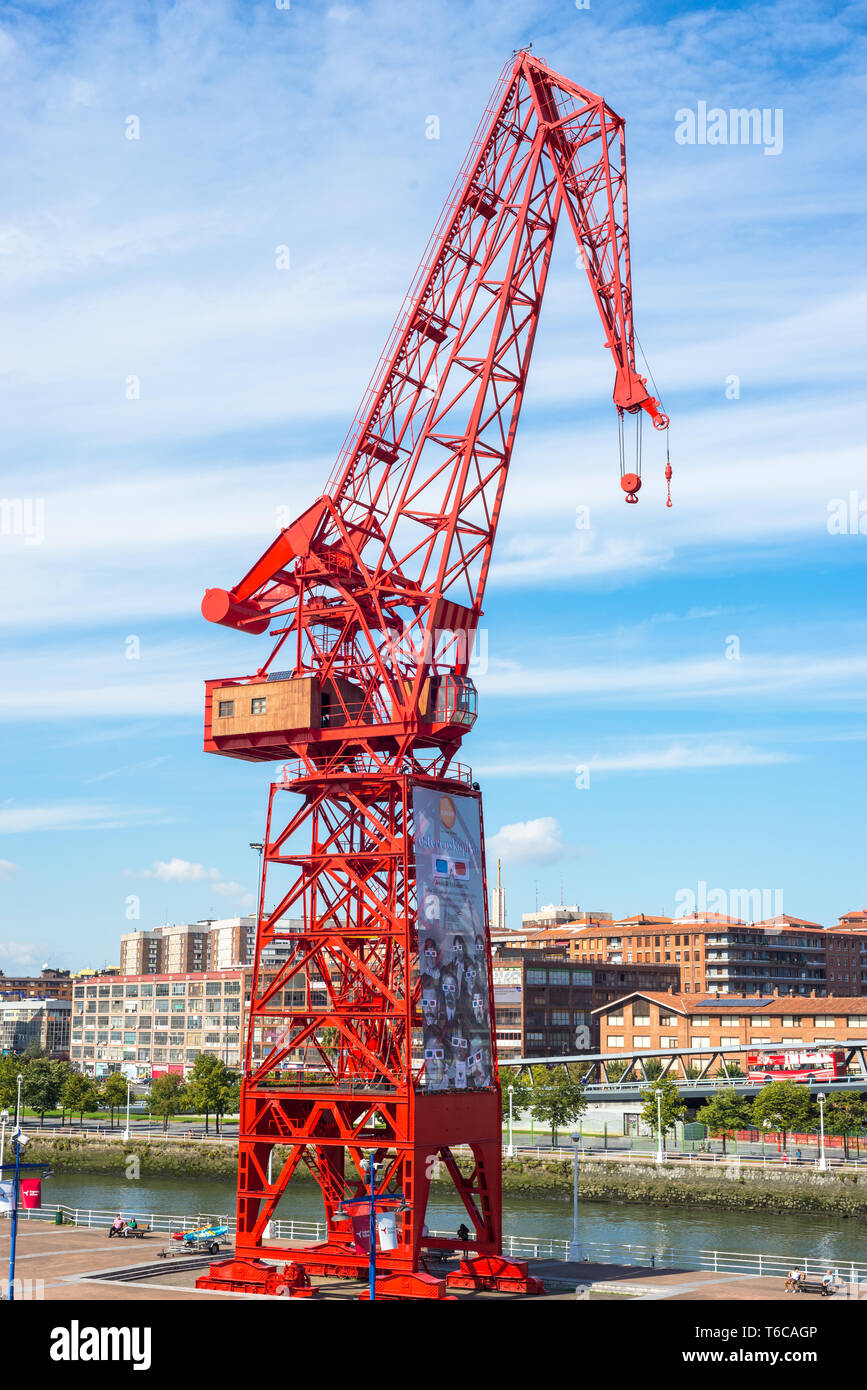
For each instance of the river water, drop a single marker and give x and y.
(683, 1229)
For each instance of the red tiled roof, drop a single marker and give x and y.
(732, 1004)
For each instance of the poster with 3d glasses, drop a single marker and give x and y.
(452, 944)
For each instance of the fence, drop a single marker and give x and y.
(743, 1262)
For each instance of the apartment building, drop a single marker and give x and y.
(42, 1022)
(722, 955)
(141, 952)
(541, 999)
(209, 944)
(148, 1025)
(856, 920)
(649, 1020)
(49, 984)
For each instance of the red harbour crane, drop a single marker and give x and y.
(371, 1038)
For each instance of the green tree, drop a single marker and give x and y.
(615, 1070)
(62, 1071)
(725, 1114)
(41, 1089)
(522, 1091)
(786, 1105)
(732, 1069)
(210, 1086)
(671, 1106)
(10, 1066)
(113, 1092)
(652, 1068)
(79, 1094)
(692, 1071)
(168, 1097)
(845, 1116)
(556, 1098)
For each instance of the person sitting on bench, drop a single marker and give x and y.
(116, 1228)
(131, 1225)
(792, 1281)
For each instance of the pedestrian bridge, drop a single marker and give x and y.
(713, 1067)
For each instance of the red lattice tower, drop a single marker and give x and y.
(374, 595)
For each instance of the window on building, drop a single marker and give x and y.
(614, 1040)
(824, 1021)
(641, 1041)
(668, 1042)
(257, 705)
(227, 709)
(760, 1023)
(615, 1020)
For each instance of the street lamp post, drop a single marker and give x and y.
(659, 1154)
(128, 1090)
(575, 1251)
(511, 1149)
(4, 1120)
(823, 1163)
(20, 1079)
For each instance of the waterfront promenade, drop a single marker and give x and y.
(57, 1263)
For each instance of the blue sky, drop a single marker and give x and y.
(606, 648)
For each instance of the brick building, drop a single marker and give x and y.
(717, 954)
(49, 984)
(541, 998)
(647, 1021)
(209, 944)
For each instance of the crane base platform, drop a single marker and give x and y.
(497, 1273)
(256, 1276)
(396, 1287)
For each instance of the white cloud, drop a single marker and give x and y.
(180, 871)
(8, 869)
(188, 871)
(528, 842)
(680, 756)
(788, 676)
(21, 953)
(80, 815)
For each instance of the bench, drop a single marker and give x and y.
(126, 1234)
(815, 1286)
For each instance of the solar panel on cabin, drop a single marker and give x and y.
(279, 675)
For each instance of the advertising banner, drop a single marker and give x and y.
(452, 942)
(7, 1197)
(31, 1192)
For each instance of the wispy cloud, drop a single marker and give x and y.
(80, 815)
(177, 870)
(683, 756)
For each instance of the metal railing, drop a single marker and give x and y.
(739, 1262)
